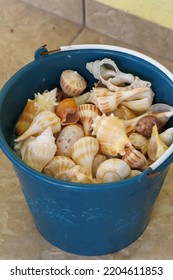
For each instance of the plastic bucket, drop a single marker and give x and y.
(85, 219)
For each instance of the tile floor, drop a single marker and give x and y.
(23, 29)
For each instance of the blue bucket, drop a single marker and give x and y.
(85, 219)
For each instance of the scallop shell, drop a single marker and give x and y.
(40, 122)
(111, 135)
(87, 112)
(139, 142)
(59, 167)
(72, 83)
(67, 110)
(135, 159)
(98, 159)
(156, 147)
(41, 150)
(167, 136)
(41, 102)
(84, 151)
(108, 73)
(67, 137)
(112, 170)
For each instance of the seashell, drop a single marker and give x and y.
(131, 123)
(67, 111)
(145, 124)
(167, 136)
(107, 101)
(134, 173)
(162, 111)
(139, 142)
(40, 150)
(112, 170)
(84, 151)
(77, 174)
(109, 74)
(122, 112)
(40, 122)
(67, 137)
(72, 83)
(20, 147)
(135, 159)
(82, 99)
(59, 167)
(141, 101)
(111, 135)
(41, 102)
(156, 147)
(87, 112)
(98, 159)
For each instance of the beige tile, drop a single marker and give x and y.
(25, 28)
(68, 9)
(129, 29)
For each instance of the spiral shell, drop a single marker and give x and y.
(84, 151)
(112, 170)
(40, 150)
(41, 102)
(40, 122)
(67, 137)
(72, 83)
(135, 159)
(156, 147)
(67, 110)
(87, 112)
(111, 135)
(59, 167)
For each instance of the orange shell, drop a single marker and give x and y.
(67, 110)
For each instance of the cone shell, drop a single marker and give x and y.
(112, 170)
(156, 147)
(67, 111)
(84, 151)
(41, 150)
(111, 135)
(59, 167)
(67, 137)
(72, 83)
(87, 112)
(40, 122)
(135, 159)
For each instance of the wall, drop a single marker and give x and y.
(157, 11)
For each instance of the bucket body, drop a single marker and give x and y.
(78, 218)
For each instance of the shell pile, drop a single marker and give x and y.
(110, 133)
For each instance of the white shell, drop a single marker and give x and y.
(167, 136)
(112, 170)
(42, 121)
(40, 150)
(84, 151)
(139, 142)
(135, 159)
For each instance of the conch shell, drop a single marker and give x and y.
(87, 112)
(108, 73)
(84, 151)
(156, 147)
(135, 159)
(72, 83)
(40, 150)
(112, 170)
(40, 122)
(59, 167)
(162, 111)
(41, 102)
(67, 110)
(124, 113)
(107, 101)
(67, 137)
(111, 135)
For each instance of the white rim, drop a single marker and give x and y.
(158, 162)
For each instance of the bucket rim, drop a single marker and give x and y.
(18, 162)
